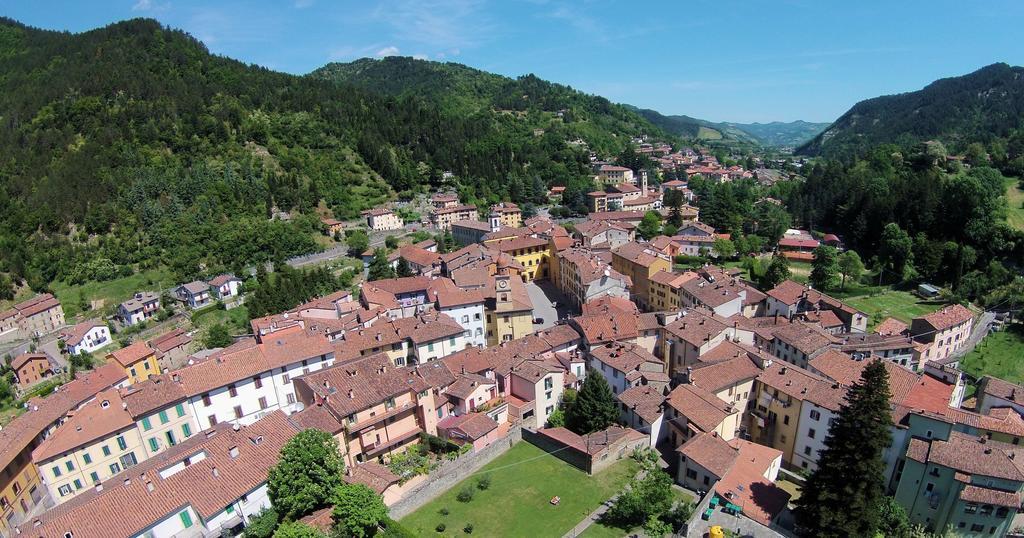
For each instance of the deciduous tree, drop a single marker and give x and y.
(850, 266)
(306, 475)
(358, 510)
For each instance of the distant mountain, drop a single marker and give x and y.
(985, 104)
(774, 134)
(688, 127)
(781, 134)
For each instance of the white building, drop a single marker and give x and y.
(86, 337)
(224, 286)
(466, 307)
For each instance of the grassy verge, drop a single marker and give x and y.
(110, 292)
(998, 355)
(1015, 204)
(523, 481)
(901, 305)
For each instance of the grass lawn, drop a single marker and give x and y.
(236, 318)
(901, 305)
(1015, 204)
(111, 292)
(517, 502)
(999, 355)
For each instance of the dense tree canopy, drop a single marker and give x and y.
(307, 474)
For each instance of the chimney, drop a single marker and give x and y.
(233, 452)
(215, 471)
(689, 375)
(149, 485)
(127, 481)
(235, 427)
(99, 487)
(351, 394)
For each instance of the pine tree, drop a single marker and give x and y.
(845, 496)
(777, 271)
(403, 269)
(380, 269)
(594, 409)
(825, 267)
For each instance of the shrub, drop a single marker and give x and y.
(443, 511)
(440, 527)
(465, 495)
(468, 529)
(484, 482)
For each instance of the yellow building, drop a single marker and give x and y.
(138, 361)
(509, 311)
(664, 290)
(781, 390)
(509, 214)
(533, 253)
(96, 443)
(640, 262)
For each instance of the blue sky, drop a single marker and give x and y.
(718, 59)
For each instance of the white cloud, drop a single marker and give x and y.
(438, 24)
(150, 5)
(390, 50)
(420, 56)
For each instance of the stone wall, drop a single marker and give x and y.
(569, 455)
(450, 473)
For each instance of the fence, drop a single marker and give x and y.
(449, 473)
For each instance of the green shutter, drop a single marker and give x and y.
(78, 484)
(122, 443)
(163, 417)
(106, 450)
(87, 458)
(94, 477)
(56, 471)
(186, 519)
(70, 465)
(153, 445)
(146, 425)
(186, 429)
(180, 409)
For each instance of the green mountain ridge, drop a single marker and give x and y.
(977, 107)
(781, 134)
(772, 134)
(132, 145)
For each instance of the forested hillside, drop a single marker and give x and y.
(688, 127)
(983, 106)
(462, 90)
(131, 146)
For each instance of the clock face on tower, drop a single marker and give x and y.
(502, 283)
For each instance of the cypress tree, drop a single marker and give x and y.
(595, 408)
(845, 496)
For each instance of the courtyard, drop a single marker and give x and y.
(517, 500)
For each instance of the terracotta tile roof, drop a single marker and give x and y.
(25, 358)
(644, 400)
(151, 395)
(207, 485)
(97, 419)
(132, 354)
(746, 486)
(74, 335)
(589, 268)
(891, 327)
(559, 336)
(418, 256)
(603, 304)
(471, 425)
(466, 384)
(639, 253)
(997, 497)
(472, 225)
(41, 413)
(808, 339)
(708, 293)
(505, 232)
(697, 326)
(700, 407)
(788, 292)
(520, 243)
(318, 417)
(456, 209)
(625, 357)
(377, 212)
(37, 304)
(947, 317)
(363, 383)
(398, 286)
(973, 455)
(763, 326)
(715, 376)
(446, 294)
(534, 370)
(196, 287)
(610, 326)
(825, 318)
(710, 452)
(220, 280)
(801, 384)
(373, 475)
(170, 340)
(673, 280)
(999, 388)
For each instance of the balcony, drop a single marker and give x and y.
(376, 419)
(373, 449)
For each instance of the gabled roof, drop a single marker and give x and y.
(710, 452)
(947, 317)
(700, 407)
(76, 334)
(803, 385)
(644, 400)
(132, 354)
(99, 418)
(25, 358)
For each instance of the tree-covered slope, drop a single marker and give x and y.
(462, 90)
(688, 127)
(977, 107)
(132, 146)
